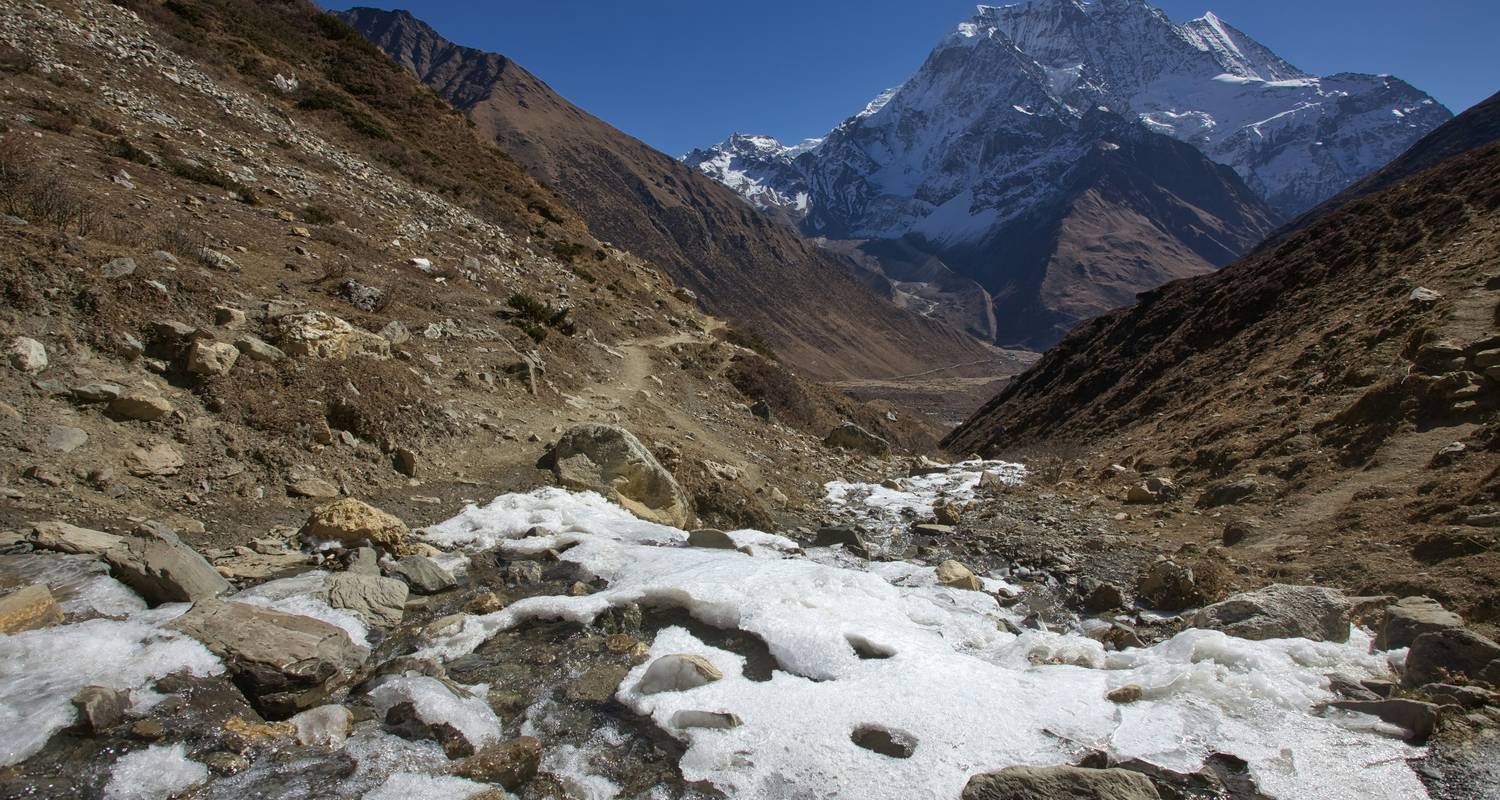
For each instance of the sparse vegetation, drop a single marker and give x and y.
(124, 148)
(536, 318)
(36, 193)
(319, 214)
(199, 172)
(749, 340)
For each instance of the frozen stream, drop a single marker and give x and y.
(859, 646)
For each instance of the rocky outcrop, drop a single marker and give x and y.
(160, 567)
(610, 460)
(1056, 783)
(284, 663)
(1280, 611)
(318, 334)
(1443, 655)
(29, 608)
(1410, 617)
(62, 537)
(377, 601)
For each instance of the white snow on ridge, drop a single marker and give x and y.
(973, 696)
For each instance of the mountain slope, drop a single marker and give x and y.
(981, 139)
(743, 265)
(1317, 380)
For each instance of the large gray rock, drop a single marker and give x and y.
(1281, 611)
(610, 460)
(162, 569)
(284, 663)
(317, 334)
(423, 575)
(1060, 783)
(64, 538)
(145, 405)
(849, 436)
(353, 523)
(27, 355)
(375, 600)
(1410, 617)
(1441, 655)
(1418, 718)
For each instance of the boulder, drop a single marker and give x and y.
(1281, 611)
(377, 601)
(27, 355)
(676, 673)
(610, 460)
(1169, 586)
(1104, 597)
(229, 316)
(284, 663)
(28, 609)
(711, 538)
(96, 392)
(211, 359)
(1438, 656)
(258, 350)
(156, 461)
(846, 535)
(317, 334)
(1418, 718)
(405, 461)
(66, 439)
(353, 523)
(423, 575)
(849, 436)
(100, 708)
(1152, 490)
(1410, 617)
(142, 405)
(64, 538)
(957, 576)
(509, 764)
(162, 569)
(1229, 493)
(1060, 783)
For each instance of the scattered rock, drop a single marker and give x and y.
(118, 268)
(97, 392)
(885, 741)
(1281, 611)
(157, 461)
(1152, 490)
(1410, 617)
(284, 663)
(509, 764)
(142, 405)
(1169, 586)
(324, 726)
(211, 359)
(948, 513)
(376, 601)
(353, 523)
(1104, 597)
(257, 350)
(849, 436)
(1441, 655)
(28, 609)
(228, 317)
(317, 334)
(1059, 783)
(1230, 493)
(423, 575)
(846, 535)
(711, 538)
(715, 720)
(957, 576)
(1423, 296)
(27, 355)
(312, 487)
(162, 569)
(395, 333)
(1448, 454)
(1239, 531)
(610, 460)
(66, 439)
(676, 673)
(405, 461)
(224, 763)
(100, 708)
(1126, 694)
(486, 603)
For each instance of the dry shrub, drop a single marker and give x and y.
(34, 192)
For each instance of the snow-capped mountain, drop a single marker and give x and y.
(995, 126)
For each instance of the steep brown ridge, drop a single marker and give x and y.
(744, 266)
(1322, 376)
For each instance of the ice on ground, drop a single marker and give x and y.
(416, 786)
(571, 765)
(41, 671)
(434, 703)
(303, 594)
(885, 646)
(883, 509)
(156, 773)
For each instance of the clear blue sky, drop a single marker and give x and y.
(685, 73)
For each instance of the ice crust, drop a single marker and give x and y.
(434, 702)
(156, 773)
(975, 697)
(416, 786)
(41, 671)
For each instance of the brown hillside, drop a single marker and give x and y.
(1318, 381)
